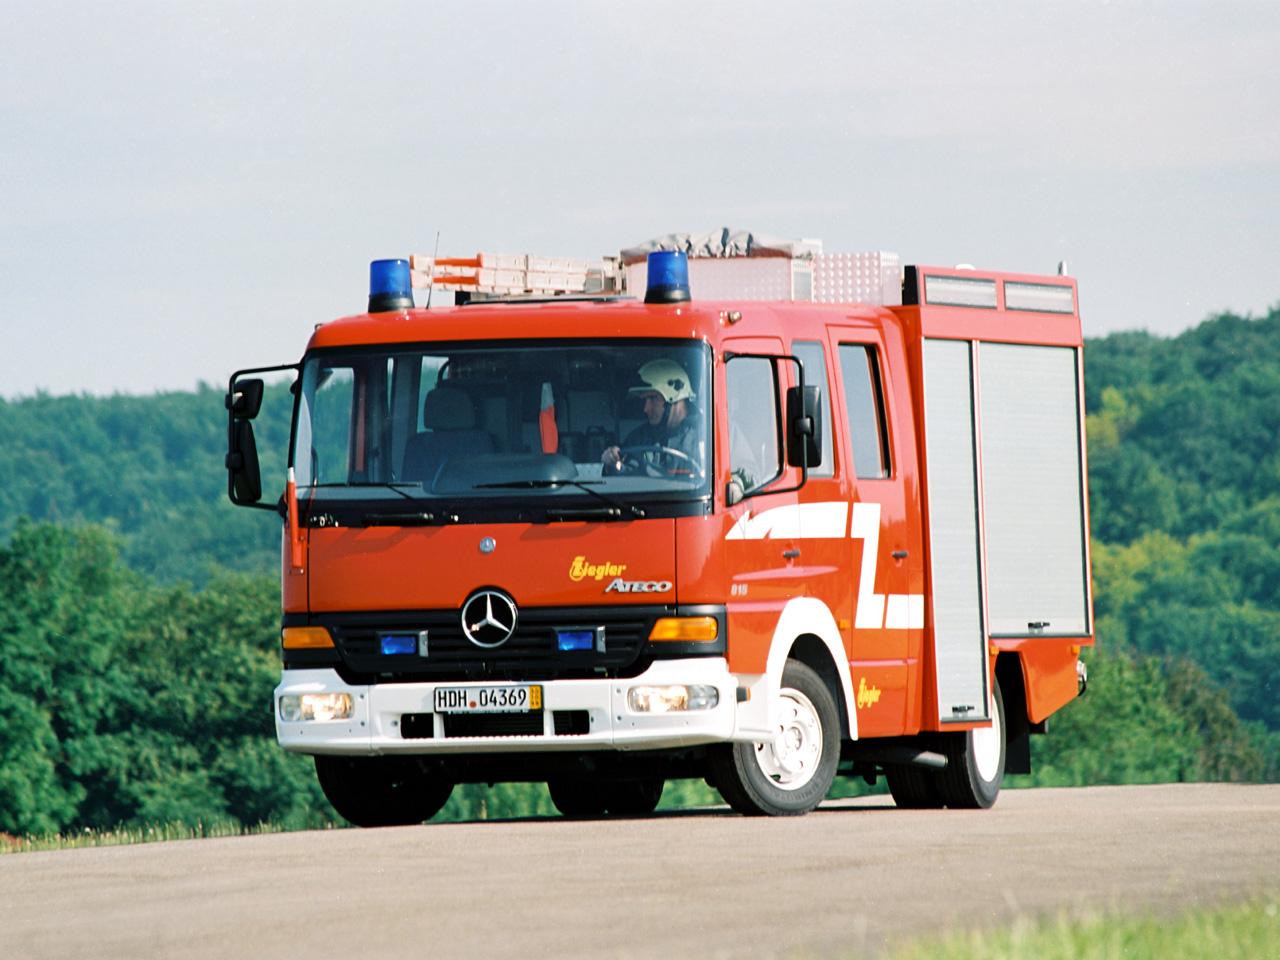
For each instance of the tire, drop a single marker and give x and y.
(914, 788)
(757, 779)
(381, 791)
(975, 763)
(578, 796)
(633, 798)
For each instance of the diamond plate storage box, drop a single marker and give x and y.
(874, 277)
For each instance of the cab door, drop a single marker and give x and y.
(760, 554)
(885, 555)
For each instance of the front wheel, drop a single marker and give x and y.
(381, 791)
(792, 773)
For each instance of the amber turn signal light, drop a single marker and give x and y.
(688, 629)
(305, 638)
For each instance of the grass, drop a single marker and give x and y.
(1245, 930)
(122, 836)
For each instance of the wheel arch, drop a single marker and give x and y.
(807, 631)
(1011, 675)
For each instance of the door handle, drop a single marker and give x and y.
(791, 554)
(899, 554)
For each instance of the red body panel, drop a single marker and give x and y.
(561, 564)
(1049, 673)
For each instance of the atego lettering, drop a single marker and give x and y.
(618, 585)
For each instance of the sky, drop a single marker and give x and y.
(188, 189)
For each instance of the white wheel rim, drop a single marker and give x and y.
(791, 759)
(986, 746)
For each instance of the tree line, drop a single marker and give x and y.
(139, 610)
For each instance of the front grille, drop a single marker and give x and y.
(493, 724)
(571, 723)
(530, 654)
(566, 723)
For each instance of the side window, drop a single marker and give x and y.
(329, 397)
(754, 423)
(812, 356)
(864, 402)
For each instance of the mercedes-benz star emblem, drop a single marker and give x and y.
(489, 618)
(488, 544)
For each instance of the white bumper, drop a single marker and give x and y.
(375, 725)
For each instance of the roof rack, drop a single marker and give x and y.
(492, 275)
(727, 265)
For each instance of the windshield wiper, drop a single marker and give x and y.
(615, 507)
(408, 518)
(394, 518)
(583, 513)
(393, 486)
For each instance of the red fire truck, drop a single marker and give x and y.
(833, 525)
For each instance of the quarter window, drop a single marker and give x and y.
(811, 354)
(864, 403)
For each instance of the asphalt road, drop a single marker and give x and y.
(844, 881)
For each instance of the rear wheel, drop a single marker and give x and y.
(634, 798)
(381, 791)
(792, 773)
(975, 762)
(914, 788)
(578, 796)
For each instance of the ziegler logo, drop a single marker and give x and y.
(867, 696)
(581, 570)
(638, 586)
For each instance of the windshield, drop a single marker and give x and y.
(606, 423)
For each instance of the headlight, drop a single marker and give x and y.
(295, 708)
(672, 698)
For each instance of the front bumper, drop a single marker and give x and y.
(375, 726)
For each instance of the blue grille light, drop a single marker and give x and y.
(668, 277)
(567, 640)
(398, 644)
(390, 287)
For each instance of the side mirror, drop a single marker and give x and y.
(245, 399)
(804, 427)
(244, 479)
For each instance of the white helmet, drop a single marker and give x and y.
(666, 378)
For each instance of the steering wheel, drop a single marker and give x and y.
(633, 463)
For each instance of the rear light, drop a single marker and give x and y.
(305, 638)
(686, 629)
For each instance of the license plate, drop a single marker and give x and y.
(526, 698)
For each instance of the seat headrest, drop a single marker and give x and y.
(448, 408)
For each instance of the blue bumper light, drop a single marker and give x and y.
(668, 277)
(390, 286)
(569, 640)
(399, 644)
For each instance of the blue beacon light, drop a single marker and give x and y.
(390, 286)
(668, 277)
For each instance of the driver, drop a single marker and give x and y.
(672, 421)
